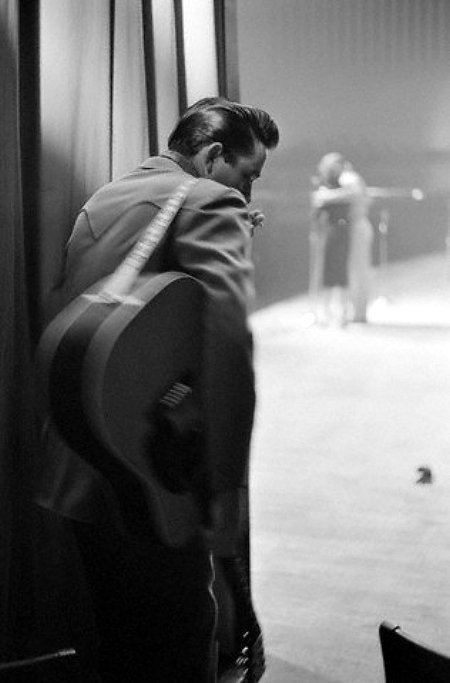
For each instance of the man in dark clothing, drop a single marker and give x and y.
(154, 605)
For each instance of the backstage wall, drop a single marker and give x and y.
(369, 79)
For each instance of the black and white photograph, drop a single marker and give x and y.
(225, 341)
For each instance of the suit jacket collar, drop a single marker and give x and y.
(182, 161)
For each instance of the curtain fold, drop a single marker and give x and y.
(93, 127)
(75, 120)
(129, 109)
(17, 428)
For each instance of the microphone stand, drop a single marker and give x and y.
(316, 247)
(383, 228)
(383, 258)
(447, 244)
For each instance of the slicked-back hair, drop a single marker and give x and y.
(215, 119)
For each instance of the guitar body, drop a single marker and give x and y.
(104, 369)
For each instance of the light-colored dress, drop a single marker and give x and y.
(352, 191)
(361, 240)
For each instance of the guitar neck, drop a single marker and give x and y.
(124, 277)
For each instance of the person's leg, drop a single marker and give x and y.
(360, 268)
(340, 306)
(336, 273)
(154, 608)
(317, 241)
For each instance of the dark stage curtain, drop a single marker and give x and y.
(93, 121)
(92, 128)
(70, 120)
(17, 427)
(75, 112)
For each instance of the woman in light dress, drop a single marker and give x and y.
(341, 241)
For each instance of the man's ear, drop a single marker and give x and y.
(205, 158)
(212, 152)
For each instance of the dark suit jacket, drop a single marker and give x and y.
(210, 240)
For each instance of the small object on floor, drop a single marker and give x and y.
(425, 475)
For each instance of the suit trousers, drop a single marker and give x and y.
(154, 609)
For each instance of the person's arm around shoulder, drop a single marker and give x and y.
(353, 183)
(351, 187)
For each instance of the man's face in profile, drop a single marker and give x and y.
(242, 172)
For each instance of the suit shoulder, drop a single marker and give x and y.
(206, 193)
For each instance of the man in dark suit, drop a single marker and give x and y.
(154, 605)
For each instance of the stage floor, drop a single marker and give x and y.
(342, 535)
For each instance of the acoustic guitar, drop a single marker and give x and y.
(120, 380)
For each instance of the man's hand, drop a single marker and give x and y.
(256, 219)
(318, 198)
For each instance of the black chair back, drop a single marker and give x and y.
(406, 660)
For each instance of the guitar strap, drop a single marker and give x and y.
(119, 284)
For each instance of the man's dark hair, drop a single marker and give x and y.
(216, 119)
